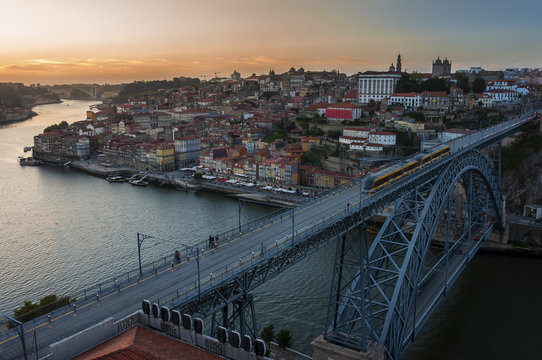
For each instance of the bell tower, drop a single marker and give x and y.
(398, 65)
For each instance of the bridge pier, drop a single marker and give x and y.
(241, 317)
(324, 350)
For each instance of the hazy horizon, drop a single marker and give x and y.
(65, 42)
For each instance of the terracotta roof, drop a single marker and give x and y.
(345, 105)
(140, 343)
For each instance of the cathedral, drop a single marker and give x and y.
(441, 67)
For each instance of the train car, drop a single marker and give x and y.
(383, 177)
(436, 154)
(375, 181)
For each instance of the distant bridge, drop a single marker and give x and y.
(382, 292)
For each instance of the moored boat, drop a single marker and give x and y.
(115, 178)
(29, 161)
(139, 182)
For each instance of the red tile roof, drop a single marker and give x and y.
(143, 344)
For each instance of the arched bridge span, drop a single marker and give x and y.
(384, 295)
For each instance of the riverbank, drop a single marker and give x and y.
(29, 114)
(180, 181)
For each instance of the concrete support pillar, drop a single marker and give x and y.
(324, 350)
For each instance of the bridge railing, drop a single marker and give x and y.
(257, 257)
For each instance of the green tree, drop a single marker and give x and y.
(435, 84)
(62, 125)
(284, 338)
(29, 310)
(334, 134)
(268, 334)
(371, 106)
(479, 85)
(462, 81)
(403, 85)
(312, 158)
(198, 176)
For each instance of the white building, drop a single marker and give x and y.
(356, 132)
(454, 133)
(82, 147)
(382, 138)
(376, 85)
(409, 100)
(348, 140)
(485, 99)
(503, 96)
(500, 85)
(373, 147)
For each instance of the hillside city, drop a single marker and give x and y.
(299, 128)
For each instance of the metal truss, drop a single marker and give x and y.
(216, 298)
(386, 295)
(222, 301)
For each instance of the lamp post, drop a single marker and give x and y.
(20, 330)
(142, 237)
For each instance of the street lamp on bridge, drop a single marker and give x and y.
(20, 330)
(194, 249)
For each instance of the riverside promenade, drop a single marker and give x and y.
(184, 182)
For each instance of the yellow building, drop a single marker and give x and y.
(165, 156)
(307, 142)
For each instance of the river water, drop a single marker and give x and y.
(61, 230)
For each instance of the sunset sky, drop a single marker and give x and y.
(69, 41)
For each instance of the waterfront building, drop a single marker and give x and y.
(320, 178)
(278, 171)
(187, 150)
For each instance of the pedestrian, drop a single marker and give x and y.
(216, 241)
(210, 241)
(177, 256)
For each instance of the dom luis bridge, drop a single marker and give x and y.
(445, 203)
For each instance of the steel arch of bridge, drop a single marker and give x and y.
(376, 294)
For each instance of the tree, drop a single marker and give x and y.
(371, 106)
(479, 85)
(198, 176)
(403, 85)
(334, 134)
(312, 158)
(435, 84)
(462, 81)
(268, 334)
(62, 125)
(284, 338)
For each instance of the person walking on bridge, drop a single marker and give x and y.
(177, 257)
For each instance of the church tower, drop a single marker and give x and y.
(398, 67)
